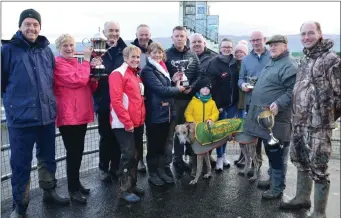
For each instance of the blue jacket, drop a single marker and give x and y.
(159, 93)
(112, 60)
(27, 82)
(252, 65)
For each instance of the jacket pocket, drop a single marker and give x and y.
(23, 112)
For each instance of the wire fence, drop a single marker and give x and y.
(90, 157)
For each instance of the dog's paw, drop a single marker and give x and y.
(253, 178)
(193, 182)
(207, 175)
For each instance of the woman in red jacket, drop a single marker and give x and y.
(127, 115)
(73, 89)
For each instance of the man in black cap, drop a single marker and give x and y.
(273, 92)
(30, 106)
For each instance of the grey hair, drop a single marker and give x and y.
(111, 22)
(62, 38)
(197, 34)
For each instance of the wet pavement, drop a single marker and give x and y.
(226, 194)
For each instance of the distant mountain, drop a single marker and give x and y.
(294, 42)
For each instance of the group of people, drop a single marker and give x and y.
(144, 90)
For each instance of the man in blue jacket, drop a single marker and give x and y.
(252, 65)
(30, 106)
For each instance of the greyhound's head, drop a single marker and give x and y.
(185, 133)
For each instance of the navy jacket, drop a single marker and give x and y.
(112, 60)
(27, 82)
(159, 93)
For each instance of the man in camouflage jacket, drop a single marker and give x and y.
(316, 97)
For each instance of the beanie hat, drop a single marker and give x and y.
(205, 82)
(29, 13)
(242, 46)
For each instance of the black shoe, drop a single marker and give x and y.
(168, 171)
(162, 174)
(268, 195)
(83, 190)
(138, 191)
(241, 156)
(155, 179)
(51, 196)
(78, 197)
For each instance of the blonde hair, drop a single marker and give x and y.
(130, 49)
(157, 46)
(63, 38)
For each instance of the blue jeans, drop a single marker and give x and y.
(229, 112)
(278, 158)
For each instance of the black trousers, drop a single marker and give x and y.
(129, 143)
(109, 148)
(157, 134)
(73, 138)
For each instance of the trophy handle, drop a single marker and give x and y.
(190, 60)
(258, 119)
(83, 42)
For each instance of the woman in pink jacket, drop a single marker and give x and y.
(73, 89)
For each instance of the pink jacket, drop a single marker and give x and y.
(73, 90)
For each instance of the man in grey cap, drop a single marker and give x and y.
(30, 105)
(273, 92)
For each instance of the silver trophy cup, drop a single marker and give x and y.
(267, 120)
(251, 80)
(181, 66)
(98, 43)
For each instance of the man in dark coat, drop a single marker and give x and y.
(27, 65)
(193, 72)
(109, 149)
(273, 92)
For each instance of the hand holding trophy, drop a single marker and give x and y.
(181, 66)
(267, 120)
(98, 45)
(252, 80)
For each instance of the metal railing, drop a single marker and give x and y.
(90, 158)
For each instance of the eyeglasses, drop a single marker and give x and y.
(255, 40)
(226, 47)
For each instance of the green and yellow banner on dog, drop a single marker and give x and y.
(206, 135)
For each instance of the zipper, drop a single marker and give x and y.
(203, 115)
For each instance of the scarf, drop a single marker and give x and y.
(203, 98)
(161, 67)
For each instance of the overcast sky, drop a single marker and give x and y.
(82, 19)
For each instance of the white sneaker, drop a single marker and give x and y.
(219, 164)
(226, 162)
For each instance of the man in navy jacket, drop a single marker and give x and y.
(30, 106)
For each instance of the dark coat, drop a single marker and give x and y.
(194, 72)
(205, 58)
(159, 93)
(275, 84)
(112, 60)
(27, 82)
(223, 73)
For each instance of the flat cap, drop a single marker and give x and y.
(277, 38)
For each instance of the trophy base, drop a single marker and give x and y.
(273, 141)
(185, 84)
(98, 75)
(250, 86)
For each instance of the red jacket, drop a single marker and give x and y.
(73, 90)
(126, 102)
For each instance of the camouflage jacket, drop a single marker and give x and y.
(317, 89)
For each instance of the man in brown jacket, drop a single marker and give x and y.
(316, 98)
